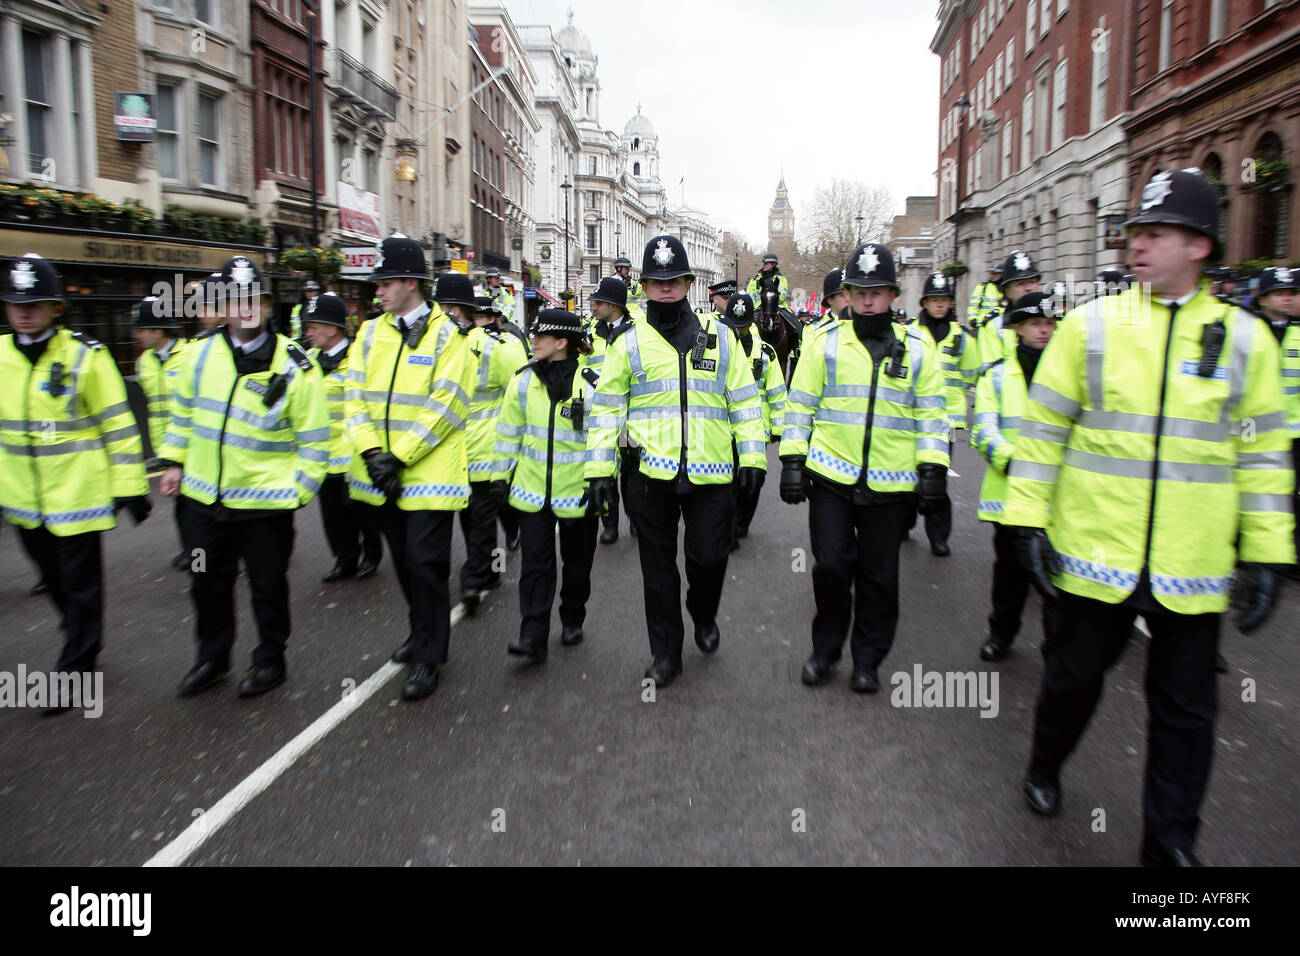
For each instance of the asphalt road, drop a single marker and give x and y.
(735, 763)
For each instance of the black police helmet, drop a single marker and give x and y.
(938, 285)
(400, 258)
(1278, 277)
(454, 289)
(739, 311)
(31, 279)
(326, 309)
(1180, 197)
(834, 282)
(486, 304)
(152, 313)
(240, 277)
(1019, 265)
(1032, 305)
(613, 290)
(665, 258)
(871, 266)
(770, 257)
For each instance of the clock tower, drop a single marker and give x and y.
(780, 224)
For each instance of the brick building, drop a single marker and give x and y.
(1217, 86)
(1039, 159)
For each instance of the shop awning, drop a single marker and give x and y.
(549, 298)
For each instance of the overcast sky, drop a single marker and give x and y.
(738, 88)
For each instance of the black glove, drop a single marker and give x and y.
(1254, 592)
(137, 507)
(500, 493)
(598, 497)
(751, 480)
(1038, 558)
(385, 471)
(794, 481)
(932, 488)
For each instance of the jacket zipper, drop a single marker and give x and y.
(871, 417)
(681, 391)
(388, 402)
(31, 449)
(1160, 427)
(221, 439)
(550, 447)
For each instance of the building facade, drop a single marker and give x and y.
(911, 240)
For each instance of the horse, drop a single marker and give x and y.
(778, 328)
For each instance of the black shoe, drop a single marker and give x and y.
(1043, 796)
(512, 542)
(1220, 664)
(181, 562)
(534, 652)
(367, 568)
(200, 677)
(262, 678)
(816, 672)
(994, 649)
(906, 535)
(420, 681)
(571, 635)
(940, 549)
(470, 601)
(338, 573)
(707, 637)
(865, 679)
(1169, 856)
(663, 670)
(742, 532)
(609, 535)
(403, 654)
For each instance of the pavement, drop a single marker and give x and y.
(568, 763)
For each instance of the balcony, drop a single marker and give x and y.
(349, 80)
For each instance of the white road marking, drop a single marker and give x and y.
(206, 824)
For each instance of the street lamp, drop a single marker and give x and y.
(735, 265)
(618, 240)
(962, 104)
(566, 186)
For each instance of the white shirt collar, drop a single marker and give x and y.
(165, 351)
(28, 340)
(342, 346)
(1180, 302)
(414, 316)
(245, 348)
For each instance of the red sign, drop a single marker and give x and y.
(469, 254)
(361, 260)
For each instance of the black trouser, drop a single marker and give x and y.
(654, 506)
(1010, 586)
(347, 526)
(265, 543)
(855, 574)
(1085, 641)
(180, 527)
(537, 571)
(420, 545)
(478, 525)
(509, 520)
(938, 521)
(629, 463)
(73, 568)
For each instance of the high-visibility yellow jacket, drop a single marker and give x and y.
(66, 452)
(1291, 377)
(676, 407)
(993, 342)
(1000, 401)
(295, 322)
(412, 402)
(770, 381)
(158, 380)
(236, 449)
(952, 350)
(754, 290)
(336, 382)
(984, 298)
(600, 344)
(541, 445)
(1130, 458)
(839, 395)
(497, 356)
(504, 300)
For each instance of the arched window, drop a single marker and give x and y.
(636, 142)
(1272, 194)
(636, 169)
(1212, 167)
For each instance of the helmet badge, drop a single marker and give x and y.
(940, 281)
(662, 254)
(738, 310)
(868, 261)
(1021, 262)
(23, 276)
(241, 271)
(1156, 191)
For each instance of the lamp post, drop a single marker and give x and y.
(566, 186)
(962, 104)
(600, 248)
(618, 240)
(312, 10)
(735, 266)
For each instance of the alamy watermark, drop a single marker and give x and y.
(71, 690)
(922, 688)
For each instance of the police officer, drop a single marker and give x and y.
(999, 406)
(739, 315)
(936, 322)
(541, 448)
(248, 445)
(1278, 302)
(769, 279)
(1109, 282)
(985, 298)
(410, 377)
(720, 294)
(865, 430)
(502, 298)
(70, 454)
(609, 306)
(835, 300)
(1136, 490)
(509, 523)
(623, 269)
(686, 393)
(1020, 276)
(353, 538)
(310, 289)
(497, 356)
(162, 349)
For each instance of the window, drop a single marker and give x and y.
(1027, 130)
(1100, 75)
(165, 4)
(974, 42)
(591, 165)
(1166, 33)
(206, 11)
(1061, 7)
(209, 140)
(1011, 60)
(990, 91)
(1058, 105)
(40, 93)
(372, 170)
(997, 77)
(1007, 137)
(1218, 10)
(168, 95)
(1031, 23)
(591, 238)
(636, 169)
(591, 200)
(594, 275)
(1044, 21)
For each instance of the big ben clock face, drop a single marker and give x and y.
(776, 226)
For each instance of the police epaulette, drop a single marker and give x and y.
(524, 368)
(302, 358)
(767, 350)
(591, 376)
(619, 329)
(494, 332)
(87, 341)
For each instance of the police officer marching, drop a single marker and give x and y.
(686, 393)
(156, 369)
(1020, 276)
(984, 298)
(410, 377)
(541, 450)
(1277, 301)
(999, 409)
(70, 455)
(720, 294)
(310, 290)
(353, 538)
(609, 306)
(1153, 458)
(739, 315)
(866, 428)
(247, 446)
(497, 356)
(484, 303)
(502, 298)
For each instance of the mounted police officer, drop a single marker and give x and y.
(70, 453)
(248, 445)
(769, 280)
(609, 306)
(158, 334)
(1135, 489)
(686, 393)
(635, 291)
(410, 377)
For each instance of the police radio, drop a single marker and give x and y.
(896, 367)
(275, 389)
(56, 380)
(1212, 337)
(575, 412)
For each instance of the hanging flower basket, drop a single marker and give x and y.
(954, 270)
(1269, 174)
(313, 259)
